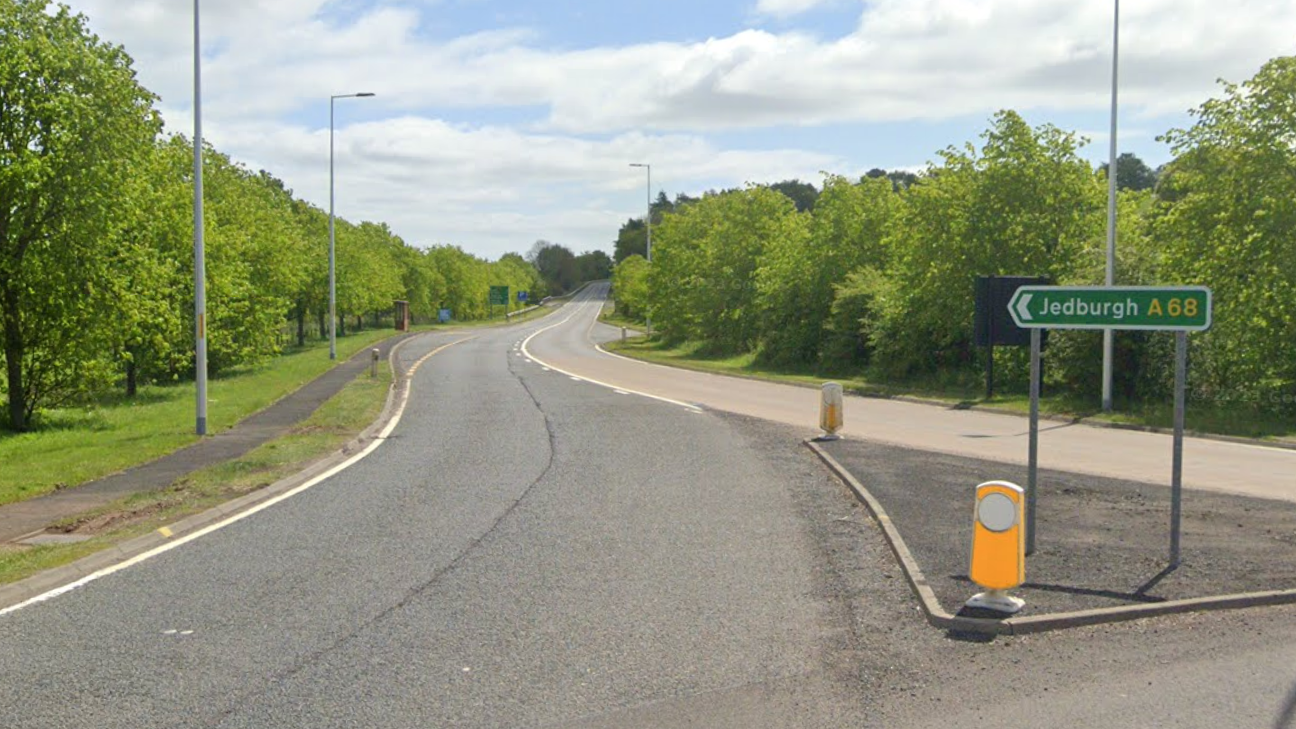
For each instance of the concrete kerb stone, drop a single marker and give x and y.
(38, 584)
(1021, 625)
(913, 573)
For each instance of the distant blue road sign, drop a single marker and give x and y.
(443, 316)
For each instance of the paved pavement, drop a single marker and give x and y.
(22, 518)
(1212, 465)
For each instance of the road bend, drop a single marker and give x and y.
(1214, 465)
(525, 549)
(531, 549)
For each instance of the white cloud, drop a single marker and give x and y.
(906, 59)
(582, 114)
(496, 188)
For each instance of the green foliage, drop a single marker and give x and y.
(848, 331)
(703, 280)
(880, 274)
(631, 240)
(630, 286)
(593, 266)
(847, 230)
(802, 194)
(1026, 204)
(74, 126)
(96, 236)
(1227, 224)
(1132, 173)
(557, 266)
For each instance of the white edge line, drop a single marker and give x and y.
(1199, 439)
(526, 348)
(373, 445)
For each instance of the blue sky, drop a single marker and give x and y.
(500, 122)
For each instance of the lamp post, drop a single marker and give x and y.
(200, 263)
(1108, 334)
(332, 263)
(647, 220)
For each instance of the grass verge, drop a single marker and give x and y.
(73, 446)
(1201, 418)
(328, 429)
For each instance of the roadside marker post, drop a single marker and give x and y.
(831, 415)
(1179, 309)
(998, 546)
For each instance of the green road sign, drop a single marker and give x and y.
(1164, 308)
(499, 295)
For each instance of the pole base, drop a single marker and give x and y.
(998, 601)
(826, 437)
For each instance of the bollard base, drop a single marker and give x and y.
(826, 437)
(998, 601)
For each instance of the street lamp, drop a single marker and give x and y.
(647, 220)
(332, 264)
(200, 263)
(1108, 340)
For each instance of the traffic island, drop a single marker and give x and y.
(1102, 544)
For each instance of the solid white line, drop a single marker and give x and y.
(526, 348)
(377, 441)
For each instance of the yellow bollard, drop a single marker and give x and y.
(831, 411)
(998, 546)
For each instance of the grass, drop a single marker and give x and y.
(73, 446)
(124, 433)
(1236, 421)
(335, 423)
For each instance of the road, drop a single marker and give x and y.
(1132, 455)
(531, 549)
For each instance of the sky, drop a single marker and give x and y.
(497, 123)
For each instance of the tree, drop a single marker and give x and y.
(631, 240)
(74, 126)
(556, 264)
(1132, 173)
(802, 194)
(847, 230)
(630, 286)
(1025, 204)
(593, 266)
(900, 179)
(703, 276)
(1227, 222)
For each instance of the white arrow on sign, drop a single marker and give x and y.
(1022, 311)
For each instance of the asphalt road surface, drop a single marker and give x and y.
(1214, 465)
(531, 550)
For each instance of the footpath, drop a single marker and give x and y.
(27, 520)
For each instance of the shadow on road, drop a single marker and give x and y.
(1138, 595)
(1156, 579)
(1287, 717)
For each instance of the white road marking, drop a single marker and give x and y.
(526, 348)
(377, 441)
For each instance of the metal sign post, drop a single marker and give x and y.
(1032, 478)
(1179, 309)
(1176, 467)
